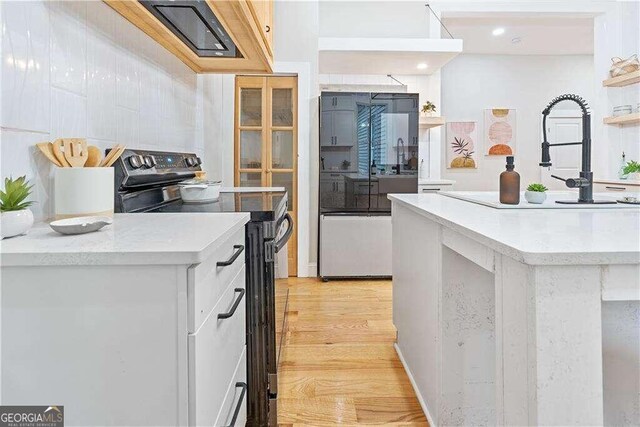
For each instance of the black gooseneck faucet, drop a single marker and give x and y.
(585, 182)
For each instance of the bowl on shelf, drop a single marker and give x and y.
(621, 110)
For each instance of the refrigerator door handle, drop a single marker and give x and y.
(236, 411)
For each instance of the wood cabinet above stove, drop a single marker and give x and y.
(248, 23)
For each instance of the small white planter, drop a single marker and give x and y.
(14, 223)
(535, 197)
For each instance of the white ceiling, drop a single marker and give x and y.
(382, 19)
(539, 35)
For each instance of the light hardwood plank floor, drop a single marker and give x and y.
(338, 365)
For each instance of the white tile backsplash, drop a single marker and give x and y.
(69, 45)
(127, 123)
(68, 114)
(101, 87)
(25, 66)
(78, 69)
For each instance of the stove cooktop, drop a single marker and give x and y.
(262, 205)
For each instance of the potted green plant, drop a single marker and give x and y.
(428, 108)
(632, 170)
(15, 216)
(536, 193)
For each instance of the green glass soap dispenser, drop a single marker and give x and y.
(510, 184)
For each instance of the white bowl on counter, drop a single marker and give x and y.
(80, 225)
(200, 191)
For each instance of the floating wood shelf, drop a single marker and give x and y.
(627, 119)
(431, 122)
(623, 80)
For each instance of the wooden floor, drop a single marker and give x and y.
(338, 364)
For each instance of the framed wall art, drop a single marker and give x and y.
(500, 132)
(461, 145)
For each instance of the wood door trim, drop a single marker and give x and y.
(287, 83)
(267, 84)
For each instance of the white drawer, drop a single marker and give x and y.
(235, 401)
(615, 188)
(434, 188)
(207, 280)
(214, 352)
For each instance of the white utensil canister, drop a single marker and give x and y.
(83, 192)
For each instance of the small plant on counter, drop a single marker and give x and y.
(16, 217)
(428, 107)
(536, 193)
(537, 187)
(14, 194)
(632, 170)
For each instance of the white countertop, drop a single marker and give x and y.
(140, 238)
(538, 236)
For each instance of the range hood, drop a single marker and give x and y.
(193, 22)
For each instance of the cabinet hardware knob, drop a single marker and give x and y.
(268, 28)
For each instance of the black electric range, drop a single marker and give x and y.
(146, 181)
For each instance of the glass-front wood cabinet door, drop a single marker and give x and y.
(266, 140)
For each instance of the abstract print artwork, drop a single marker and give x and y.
(461, 145)
(500, 131)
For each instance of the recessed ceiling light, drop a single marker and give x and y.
(422, 66)
(498, 31)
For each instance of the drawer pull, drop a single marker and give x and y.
(235, 256)
(235, 304)
(615, 188)
(236, 411)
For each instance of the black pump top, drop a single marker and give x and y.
(510, 165)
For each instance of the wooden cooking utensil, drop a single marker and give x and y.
(47, 149)
(95, 157)
(57, 146)
(113, 155)
(75, 151)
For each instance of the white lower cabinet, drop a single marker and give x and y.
(234, 408)
(116, 345)
(214, 351)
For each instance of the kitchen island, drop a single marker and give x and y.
(518, 316)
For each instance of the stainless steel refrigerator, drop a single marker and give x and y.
(368, 149)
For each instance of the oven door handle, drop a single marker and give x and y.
(285, 238)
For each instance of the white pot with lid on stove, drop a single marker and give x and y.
(199, 190)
